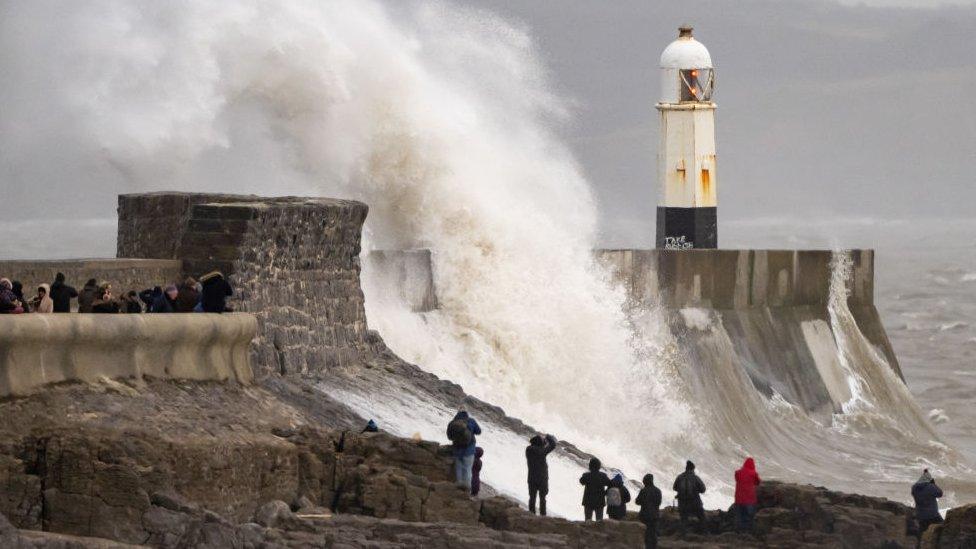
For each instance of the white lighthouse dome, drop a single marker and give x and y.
(686, 53)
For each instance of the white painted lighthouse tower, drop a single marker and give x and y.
(687, 205)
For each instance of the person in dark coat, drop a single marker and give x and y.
(18, 289)
(479, 452)
(87, 296)
(187, 296)
(689, 489)
(617, 498)
(926, 493)
(535, 457)
(595, 483)
(62, 294)
(166, 302)
(649, 501)
(461, 431)
(216, 290)
(148, 297)
(9, 304)
(130, 302)
(746, 480)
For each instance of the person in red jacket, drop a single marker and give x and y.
(746, 480)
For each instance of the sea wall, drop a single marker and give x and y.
(39, 349)
(766, 312)
(294, 264)
(409, 273)
(122, 274)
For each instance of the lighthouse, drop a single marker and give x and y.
(687, 205)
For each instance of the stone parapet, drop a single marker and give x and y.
(40, 349)
(293, 262)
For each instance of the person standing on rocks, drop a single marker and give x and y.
(461, 431)
(689, 489)
(926, 493)
(61, 294)
(535, 457)
(476, 471)
(617, 498)
(595, 483)
(746, 480)
(649, 501)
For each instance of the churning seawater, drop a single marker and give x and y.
(442, 119)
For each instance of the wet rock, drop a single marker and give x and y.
(957, 532)
(272, 513)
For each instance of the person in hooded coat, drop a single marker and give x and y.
(87, 296)
(535, 457)
(617, 489)
(464, 444)
(62, 294)
(649, 501)
(9, 304)
(746, 480)
(479, 452)
(689, 488)
(926, 493)
(595, 483)
(43, 303)
(216, 290)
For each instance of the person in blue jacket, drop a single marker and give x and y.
(461, 431)
(926, 493)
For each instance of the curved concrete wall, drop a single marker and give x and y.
(36, 350)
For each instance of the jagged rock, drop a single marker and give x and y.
(957, 532)
(272, 513)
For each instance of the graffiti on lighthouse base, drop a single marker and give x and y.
(677, 243)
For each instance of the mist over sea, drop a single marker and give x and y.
(446, 122)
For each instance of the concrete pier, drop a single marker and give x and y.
(40, 349)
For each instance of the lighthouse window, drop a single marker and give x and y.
(696, 84)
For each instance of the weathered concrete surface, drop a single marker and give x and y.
(122, 274)
(764, 310)
(37, 350)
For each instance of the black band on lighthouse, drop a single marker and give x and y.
(686, 228)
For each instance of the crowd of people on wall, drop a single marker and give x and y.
(208, 295)
(601, 493)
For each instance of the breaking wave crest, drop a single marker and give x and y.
(441, 119)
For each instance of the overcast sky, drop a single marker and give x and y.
(825, 110)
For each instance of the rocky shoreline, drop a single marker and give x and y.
(171, 464)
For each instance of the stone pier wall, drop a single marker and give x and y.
(762, 311)
(294, 263)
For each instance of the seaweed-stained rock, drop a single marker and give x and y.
(957, 532)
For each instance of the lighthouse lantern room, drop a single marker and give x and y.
(687, 200)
